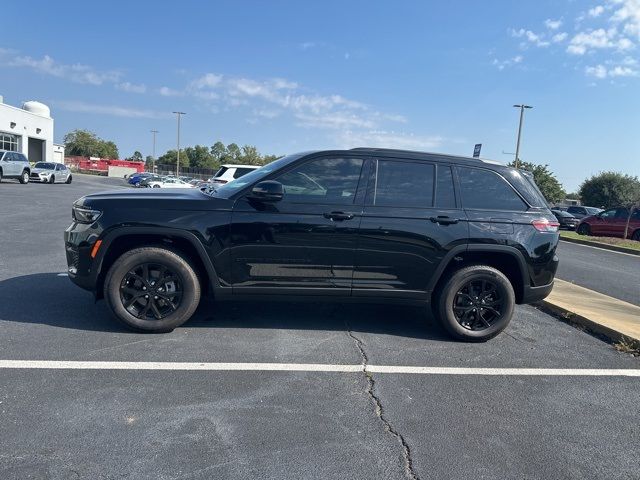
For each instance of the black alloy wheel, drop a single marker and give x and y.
(151, 291)
(477, 305)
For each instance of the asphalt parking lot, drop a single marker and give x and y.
(193, 423)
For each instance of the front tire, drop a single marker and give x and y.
(52, 179)
(156, 186)
(24, 178)
(69, 180)
(584, 229)
(152, 289)
(475, 304)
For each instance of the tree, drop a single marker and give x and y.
(250, 155)
(200, 157)
(170, 158)
(572, 196)
(610, 189)
(136, 157)
(218, 151)
(84, 143)
(548, 184)
(233, 153)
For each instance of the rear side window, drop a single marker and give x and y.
(241, 171)
(486, 190)
(523, 181)
(445, 196)
(576, 210)
(404, 184)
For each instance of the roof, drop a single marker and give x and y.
(233, 165)
(415, 153)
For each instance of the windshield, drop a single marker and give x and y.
(45, 165)
(238, 184)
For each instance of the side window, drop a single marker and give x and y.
(622, 213)
(58, 168)
(445, 197)
(240, 172)
(636, 214)
(486, 190)
(327, 180)
(609, 214)
(404, 184)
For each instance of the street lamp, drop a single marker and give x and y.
(178, 114)
(153, 152)
(521, 107)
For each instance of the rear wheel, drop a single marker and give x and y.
(584, 229)
(152, 289)
(156, 186)
(636, 235)
(24, 178)
(476, 303)
(0, 175)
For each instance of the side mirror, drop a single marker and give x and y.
(268, 191)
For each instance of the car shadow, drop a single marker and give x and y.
(51, 299)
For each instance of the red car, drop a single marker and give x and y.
(611, 223)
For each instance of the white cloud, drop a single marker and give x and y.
(602, 71)
(599, 71)
(387, 139)
(502, 64)
(600, 38)
(77, 72)
(131, 87)
(627, 14)
(169, 92)
(596, 11)
(559, 37)
(113, 110)
(552, 24)
(533, 38)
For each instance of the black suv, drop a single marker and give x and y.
(470, 237)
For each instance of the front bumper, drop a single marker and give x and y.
(79, 240)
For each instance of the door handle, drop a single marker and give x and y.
(444, 220)
(338, 215)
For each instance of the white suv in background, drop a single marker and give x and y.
(229, 172)
(14, 165)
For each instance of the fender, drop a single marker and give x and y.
(479, 248)
(119, 232)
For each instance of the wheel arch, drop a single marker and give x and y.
(506, 259)
(116, 242)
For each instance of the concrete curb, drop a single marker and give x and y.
(604, 246)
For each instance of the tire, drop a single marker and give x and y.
(0, 176)
(24, 178)
(52, 179)
(156, 186)
(69, 179)
(478, 324)
(584, 229)
(137, 184)
(636, 236)
(121, 287)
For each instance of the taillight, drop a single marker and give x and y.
(544, 225)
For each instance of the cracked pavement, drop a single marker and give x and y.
(87, 424)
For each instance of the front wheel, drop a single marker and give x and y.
(52, 179)
(584, 229)
(24, 178)
(69, 179)
(156, 186)
(476, 303)
(152, 289)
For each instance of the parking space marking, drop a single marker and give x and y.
(314, 367)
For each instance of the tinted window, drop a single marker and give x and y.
(404, 184)
(608, 213)
(576, 210)
(48, 166)
(622, 213)
(486, 190)
(328, 180)
(241, 171)
(445, 197)
(636, 214)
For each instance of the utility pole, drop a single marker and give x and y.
(153, 152)
(521, 107)
(178, 114)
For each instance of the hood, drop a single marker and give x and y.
(157, 199)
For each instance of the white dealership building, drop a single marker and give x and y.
(29, 130)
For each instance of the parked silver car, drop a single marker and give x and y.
(14, 165)
(50, 172)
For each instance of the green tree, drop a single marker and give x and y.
(233, 153)
(84, 143)
(250, 156)
(136, 157)
(573, 196)
(218, 151)
(547, 182)
(610, 189)
(171, 156)
(200, 157)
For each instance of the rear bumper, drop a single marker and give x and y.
(536, 294)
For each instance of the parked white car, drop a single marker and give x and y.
(169, 183)
(50, 172)
(229, 172)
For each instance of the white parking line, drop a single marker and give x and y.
(314, 367)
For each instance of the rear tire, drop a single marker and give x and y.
(636, 236)
(0, 176)
(24, 178)
(584, 229)
(156, 186)
(171, 287)
(475, 304)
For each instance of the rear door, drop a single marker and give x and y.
(602, 223)
(410, 221)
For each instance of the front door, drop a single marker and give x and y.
(410, 221)
(304, 243)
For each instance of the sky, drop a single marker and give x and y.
(290, 76)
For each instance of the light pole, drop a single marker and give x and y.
(178, 114)
(521, 107)
(153, 152)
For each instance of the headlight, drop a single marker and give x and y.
(85, 215)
